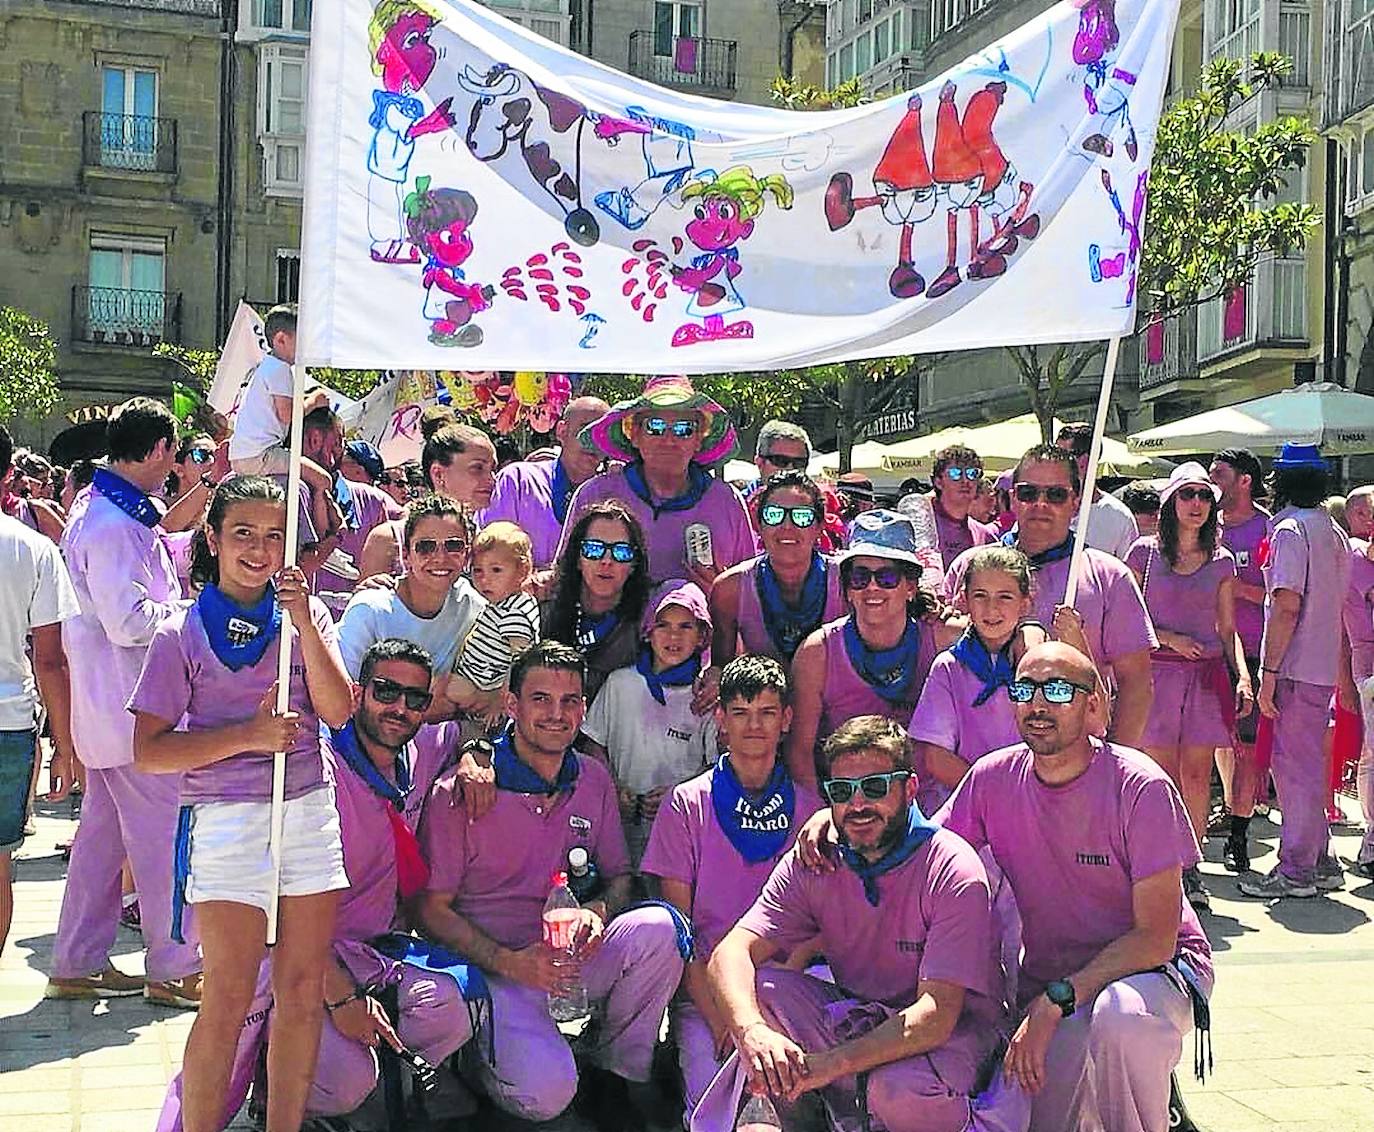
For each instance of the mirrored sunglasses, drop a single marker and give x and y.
(773, 514)
(1032, 493)
(428, 546)
(964, 473)
(887, 577)
(201, 455)
(594, 550)
(1056, 691)
(682, 429)
(874, 786)
(388, 692)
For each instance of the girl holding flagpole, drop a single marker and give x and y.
(214, 665)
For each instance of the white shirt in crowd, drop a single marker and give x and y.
(256, 427)
(376, 614)
(1111, 526)
(36, 591)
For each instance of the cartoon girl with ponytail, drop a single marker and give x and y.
(726, 208)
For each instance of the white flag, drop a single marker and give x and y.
(244, 348)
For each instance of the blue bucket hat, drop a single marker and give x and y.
(1300, 456)
(366, 457)
(880, 533)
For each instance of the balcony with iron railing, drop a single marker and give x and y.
(690, 62)
(117, 316)
(1269, 311)
(210, 8)
(1350, 63)
(1168, 351)
(1289, 34)
(128, 143)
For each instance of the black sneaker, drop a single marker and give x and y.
(1236, 855)
(1196, 891)
(1179, 1120)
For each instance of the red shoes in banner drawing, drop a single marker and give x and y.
(969, 174)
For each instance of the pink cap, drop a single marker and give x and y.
(676, 591)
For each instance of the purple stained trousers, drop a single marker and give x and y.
(1108, 1067)
(1299, 769)
(633, 976)
(125, 813)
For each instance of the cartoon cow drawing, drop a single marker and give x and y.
(546, 130)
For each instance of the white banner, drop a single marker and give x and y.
(244, 347)
(477, 196)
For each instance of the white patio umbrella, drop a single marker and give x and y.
(1339, 421)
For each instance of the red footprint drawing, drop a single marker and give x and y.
(553, 276)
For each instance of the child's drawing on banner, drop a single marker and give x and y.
(438, 222)
(399, 37)
(1107, 88)
(726, 209)
(1123, 262)
(667, 150)
(545, 127)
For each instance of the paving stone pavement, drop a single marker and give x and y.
(1293, 1014)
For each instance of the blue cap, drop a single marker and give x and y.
(880, 533)
(1300, 456)
(366, 457)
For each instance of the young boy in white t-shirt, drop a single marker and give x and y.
(263, 421)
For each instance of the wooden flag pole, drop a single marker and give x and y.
(293, 523)
(1080, 536)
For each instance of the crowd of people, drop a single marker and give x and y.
(896, 846)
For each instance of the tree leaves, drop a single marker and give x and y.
(28, 366)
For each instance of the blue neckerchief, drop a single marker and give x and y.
(383, 100)
(994, 671)
(889, 672)
(757, 828)
(239, 637)
(521, 778)
(345, 742)
(343, 496)
(562, 491)
(918, 832)
(130, 499)
(591, 631)
(697, 483)
(686, 937)
(181, 870)
(436, 960)
(788, 627)
(679, 676)
(1053, 554)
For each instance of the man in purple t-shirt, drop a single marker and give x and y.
(490, 876)
(535, 494)
(1093, 838)
(915, 1009)
(958, 471)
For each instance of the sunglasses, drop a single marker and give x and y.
(773, 514)
(200, 455)
(682, 430)
(393, 481)
(874, 786)
(964, 473)
(388, 692)
(1056, 691)
(1193, 494)
(785, 462)
(428, 546)
(595, 549)
(1033, 493)
(887, 577)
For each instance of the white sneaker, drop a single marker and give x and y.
(1275, 886)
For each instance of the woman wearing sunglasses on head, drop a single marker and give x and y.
(433, 604)
(1188, 579)
(768, 605)
(875, 660)
(694, 524)
(205, 707)
(601, 585)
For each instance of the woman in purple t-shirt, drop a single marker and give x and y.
(205, 707)
(1188, 579)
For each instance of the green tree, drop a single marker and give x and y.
(1211, 217)
(28, 366)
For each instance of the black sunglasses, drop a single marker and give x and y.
(1192, 494)
(874, 786)
(887, 577)
(428, 546)
(787, 463)
(388, 692)
(1056, 690)
(1031, 493)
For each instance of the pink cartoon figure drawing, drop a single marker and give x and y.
(1107, 88)
(726, 208)
(968, 172)
(437, 221)
(1123, 262)
(404, 58)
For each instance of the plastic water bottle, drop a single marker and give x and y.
(584, 878)
(562, 916)
(759, 1115)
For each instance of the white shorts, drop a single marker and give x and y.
(231, 857)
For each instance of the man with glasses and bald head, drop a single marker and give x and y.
(1114, 623)
(1093, 838)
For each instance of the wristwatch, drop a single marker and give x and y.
(1060, 992)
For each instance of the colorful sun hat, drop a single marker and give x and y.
(673, 391)
(676, 591)
(1188, 473)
